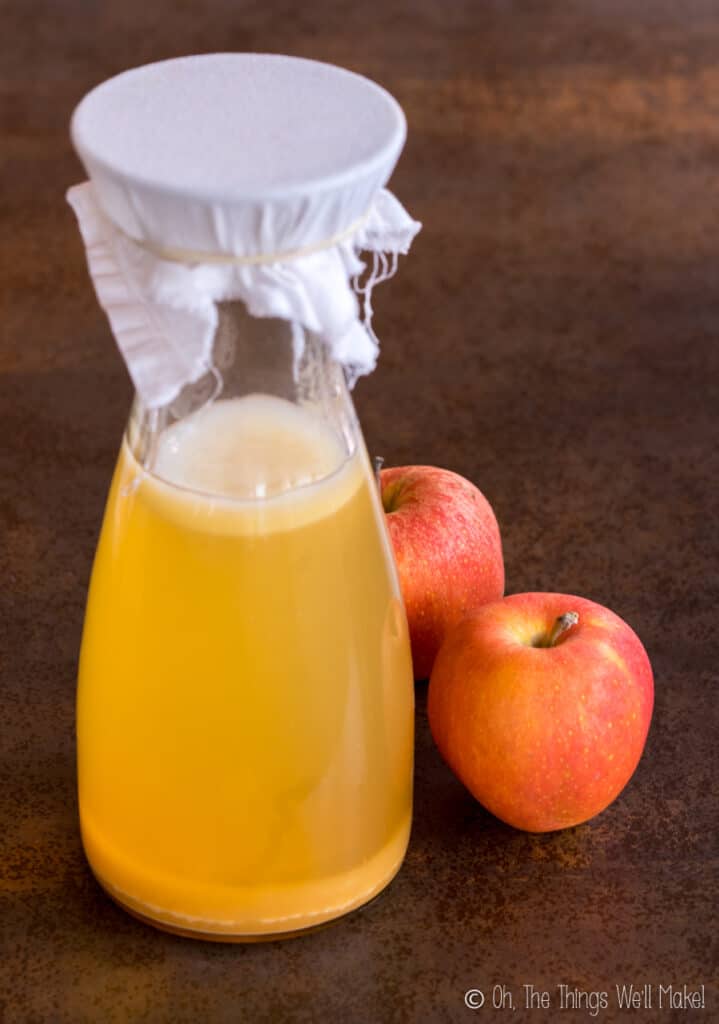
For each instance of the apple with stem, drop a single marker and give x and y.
(541, 704)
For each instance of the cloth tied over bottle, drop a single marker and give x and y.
(246, 177)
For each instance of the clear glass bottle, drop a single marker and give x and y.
(245, 698)
(245, 701)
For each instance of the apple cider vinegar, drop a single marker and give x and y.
(245, 721)
(245, 692)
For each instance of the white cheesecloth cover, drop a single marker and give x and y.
(236, 176)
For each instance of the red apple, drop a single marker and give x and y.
(448, 551)
(541, 704)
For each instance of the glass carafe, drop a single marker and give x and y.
(245, 703)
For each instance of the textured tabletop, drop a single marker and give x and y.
(553, 337)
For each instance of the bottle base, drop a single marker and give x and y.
(247, 914)
(204, 936)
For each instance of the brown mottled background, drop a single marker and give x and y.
(553, 336)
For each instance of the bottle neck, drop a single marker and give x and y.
(270, 369)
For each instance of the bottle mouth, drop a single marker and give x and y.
(175, 127)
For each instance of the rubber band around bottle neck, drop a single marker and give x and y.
(174, 255)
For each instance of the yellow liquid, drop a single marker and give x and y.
(245, 700)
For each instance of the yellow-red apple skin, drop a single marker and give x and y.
(544, 738)
(448, 551)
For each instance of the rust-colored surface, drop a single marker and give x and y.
(553, 336)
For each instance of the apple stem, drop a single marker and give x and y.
(562, 624)
(378, 463)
